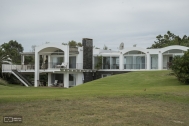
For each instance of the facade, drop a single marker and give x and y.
(72, 66)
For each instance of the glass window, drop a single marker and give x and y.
(114, 62)
(106, 62)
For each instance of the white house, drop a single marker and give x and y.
(72, 66)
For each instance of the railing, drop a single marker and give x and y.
(134, 66)
(76, 65)
(114, 66)
(43, 66)
(9, 67)
(58, 65)
(106, 66)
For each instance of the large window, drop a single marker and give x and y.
(72, 62)
(134, 60)
(106, 62)
(114, 63)
(154, 61)
(56, 60)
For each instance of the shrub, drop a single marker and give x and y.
(3, 82)
(180, 67)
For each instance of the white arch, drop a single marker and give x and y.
(184, 48)
(41, 48)
(58, 46)
(134, 49)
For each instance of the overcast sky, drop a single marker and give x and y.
(109, 22)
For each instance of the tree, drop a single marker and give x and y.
(13, 49)
(73, 43)
(180, 67)
(79, 44)
(170, 39)
(30, 59)
(99, 62)
(105, 47)
(64, 43)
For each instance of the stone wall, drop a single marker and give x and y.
(87, 58)
(98, 74)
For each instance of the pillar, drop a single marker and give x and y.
(121, 58)
(148, 61)
(36, 69)
(22, 60)
(66, 57)
(87, 58)
(49, 62)
(79, 78)
(49, 79)
(66, 80)
(160, 61)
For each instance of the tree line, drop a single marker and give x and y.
(170, 39)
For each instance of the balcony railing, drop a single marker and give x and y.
(134, 66)
(106, 66)
(9, 67)
(58, 65)
(76, 65)
(43, 66)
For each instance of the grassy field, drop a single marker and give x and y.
(136, 98)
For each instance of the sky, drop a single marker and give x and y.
(107, 22)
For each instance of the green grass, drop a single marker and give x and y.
(158, 84)
(136, 98)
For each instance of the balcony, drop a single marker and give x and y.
(106, 66)
(43, 66)
(9, 67)
(134, 66)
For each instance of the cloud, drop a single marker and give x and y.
(108, 22)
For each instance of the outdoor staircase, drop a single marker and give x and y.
(23, 79)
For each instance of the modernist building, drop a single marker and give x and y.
(72, 66)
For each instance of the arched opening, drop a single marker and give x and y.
(51, 57)
(135, 60)
(169, 55)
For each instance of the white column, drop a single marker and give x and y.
(79, 78)
(160, 61)
(66, 80)
(49, 62)
(66, 56)
(36, 69)
(93, 62)
(22, 60)
(145, 62)
(121, 61)
(111, 64)
(102, 63)
(148, 61)
(44, 58)
(49, 79)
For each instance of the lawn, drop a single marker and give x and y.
(136, 98)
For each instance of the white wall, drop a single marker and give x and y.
(79, 58)
(79, 78)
